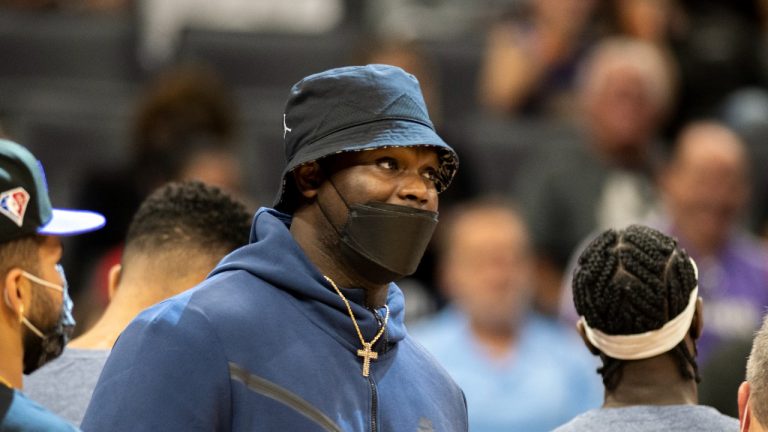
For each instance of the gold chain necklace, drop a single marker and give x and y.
(366, 353)
(5, 383)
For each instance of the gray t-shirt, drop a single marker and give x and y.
(66, 384)
(651, 418)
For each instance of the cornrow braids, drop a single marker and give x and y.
(632, 281)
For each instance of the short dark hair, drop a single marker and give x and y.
(632, 281)
(188, 215)
(20, 252)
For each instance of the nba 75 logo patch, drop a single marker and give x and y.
(13, 204)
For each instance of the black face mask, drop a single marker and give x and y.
(39, 350)
(384, 242)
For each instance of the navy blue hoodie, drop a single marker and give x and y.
(266, 344)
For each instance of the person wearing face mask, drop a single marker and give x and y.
(35, 311)
(302, 329)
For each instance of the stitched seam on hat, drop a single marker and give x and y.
(367, 122)
(409, 100)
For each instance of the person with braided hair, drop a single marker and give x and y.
(636, 292)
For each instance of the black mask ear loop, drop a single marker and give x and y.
(322, 208)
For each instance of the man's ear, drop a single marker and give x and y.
(113, 280)
(743, 402)
(13, 295)
(698, 320)
(308, 178)
(583, 333)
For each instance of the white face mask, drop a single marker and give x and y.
(45, 283)
(49, 343)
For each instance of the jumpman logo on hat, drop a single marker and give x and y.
(286, 129)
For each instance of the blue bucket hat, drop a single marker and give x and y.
(352, 109)
(25, 207)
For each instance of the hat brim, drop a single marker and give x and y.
(370, 136)
(382, 133)
(72, 222)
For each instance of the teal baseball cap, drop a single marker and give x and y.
(25, 207)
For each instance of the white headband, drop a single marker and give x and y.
(650, 343)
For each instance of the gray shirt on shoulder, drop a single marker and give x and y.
(651, 418)
(66, 384)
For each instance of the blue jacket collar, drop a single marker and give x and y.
(274, 257)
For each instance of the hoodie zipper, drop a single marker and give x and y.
(374, 391)
(374, 405)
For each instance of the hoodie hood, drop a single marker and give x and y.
(274, 257)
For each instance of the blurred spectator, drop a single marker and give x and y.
(185, 129)
(753, 393)
(604, 179)
(178, 235)
(636, 291)
(518, 370)
(654, 21)
(531, 58)
(434, 19)
(409, 56)
(163, 21)
(705, 190)
(186, 111)
(708, 38)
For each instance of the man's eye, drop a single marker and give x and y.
(431, 175)
(387, 163)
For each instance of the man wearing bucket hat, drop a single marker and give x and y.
(637, 291)
(35, 310)
(302, 329)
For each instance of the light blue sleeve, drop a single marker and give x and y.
(27, 415)
(587, 382)
(167, 372)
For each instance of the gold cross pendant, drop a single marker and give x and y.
(367, 354)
